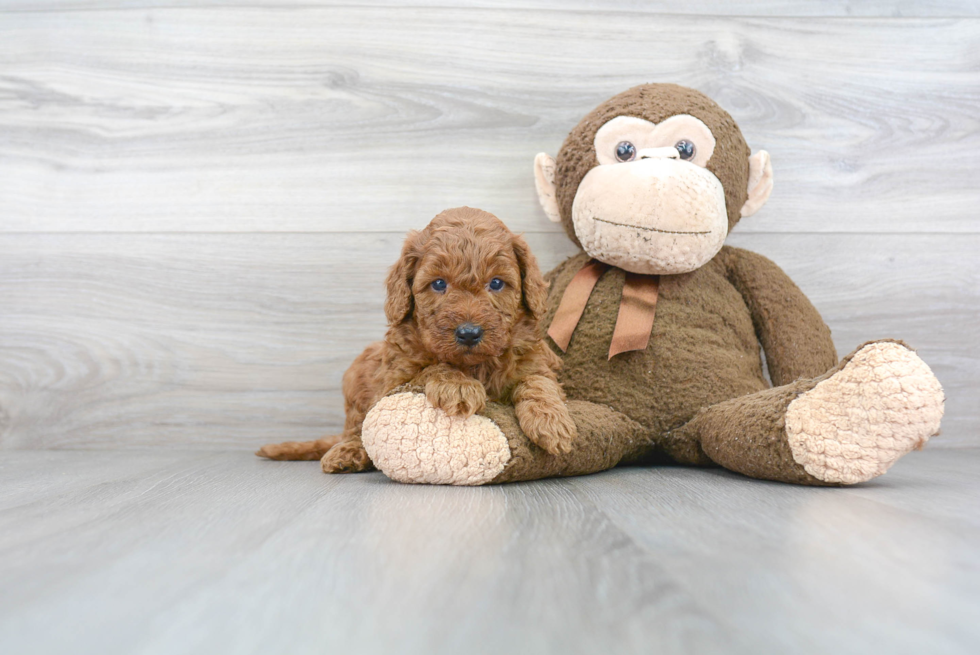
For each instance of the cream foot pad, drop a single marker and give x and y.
(855, 424)
(409, 440)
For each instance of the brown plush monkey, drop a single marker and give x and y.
(660, 326)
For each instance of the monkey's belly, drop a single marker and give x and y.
(703, 350)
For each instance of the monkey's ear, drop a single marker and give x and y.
(398, 304)
(760, 183)
(544, 182)
(533, 287)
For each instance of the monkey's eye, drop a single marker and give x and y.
(686, 149)
(496, 284)
(439, 286)
(625, 151)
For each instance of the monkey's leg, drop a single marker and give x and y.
(846, 426)
(412, 441)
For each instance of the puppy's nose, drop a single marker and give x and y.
(468, 334)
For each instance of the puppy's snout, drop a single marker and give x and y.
(468, 334)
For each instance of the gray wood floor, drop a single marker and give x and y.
(178, 552)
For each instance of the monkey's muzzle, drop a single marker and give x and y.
(651, 216)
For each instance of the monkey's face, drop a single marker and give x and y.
(653, 180)
(651, 206)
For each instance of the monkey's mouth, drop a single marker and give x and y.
(648, 229)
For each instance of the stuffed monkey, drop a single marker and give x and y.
(659, 325)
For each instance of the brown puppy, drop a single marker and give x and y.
(464, 302)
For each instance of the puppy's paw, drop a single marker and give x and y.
(456, 397)
(346, 457)
(548, 424)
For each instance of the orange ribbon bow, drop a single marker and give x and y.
(637, 309)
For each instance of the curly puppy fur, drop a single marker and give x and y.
(466, 248)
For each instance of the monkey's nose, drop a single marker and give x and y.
(468, 334)
(658, 153)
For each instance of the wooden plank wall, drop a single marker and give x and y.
(198, 201)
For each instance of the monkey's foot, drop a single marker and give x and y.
(855, 424)
(412, 441)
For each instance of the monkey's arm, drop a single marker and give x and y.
(796, 340)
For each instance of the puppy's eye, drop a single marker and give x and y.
(625, 151)
(496, 284)
(685, 149)
(439, 286)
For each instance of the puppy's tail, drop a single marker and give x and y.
(298, 450)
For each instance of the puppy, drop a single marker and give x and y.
(463, 306)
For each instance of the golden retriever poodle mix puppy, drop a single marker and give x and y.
(463, 308)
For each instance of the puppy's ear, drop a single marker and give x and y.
(533, 287)
(398, 304)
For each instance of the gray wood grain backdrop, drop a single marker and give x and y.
(198, 203)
